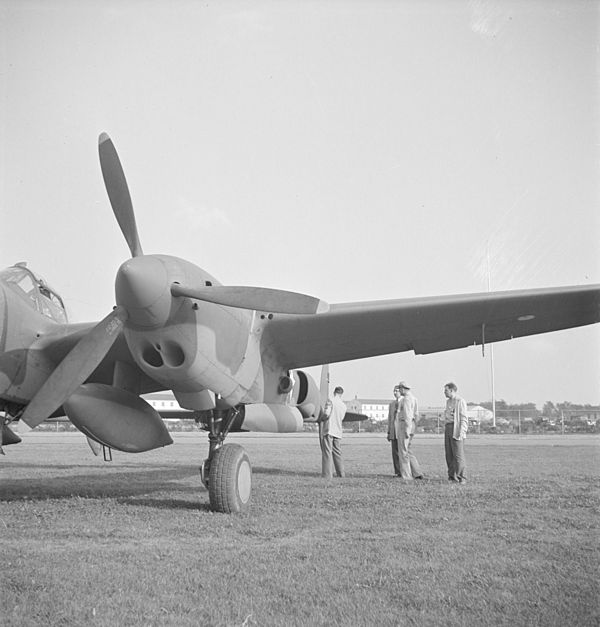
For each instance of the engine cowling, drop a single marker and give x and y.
(271, 418)
(306, 396)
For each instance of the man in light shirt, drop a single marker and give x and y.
(406, 425)
(394, 409)
(455, 432)
(331, 436)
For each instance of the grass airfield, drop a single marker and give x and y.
(133, 542)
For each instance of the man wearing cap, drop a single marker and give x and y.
(405, 430)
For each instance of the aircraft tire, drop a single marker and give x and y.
(230, 480)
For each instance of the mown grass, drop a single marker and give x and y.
(134, 543)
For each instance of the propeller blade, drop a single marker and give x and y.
(75, 368)
(118, 193)
(258, 298)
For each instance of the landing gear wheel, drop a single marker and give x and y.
(230, 479)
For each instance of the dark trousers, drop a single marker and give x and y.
(331, 450)
(455, 454)
(395, 458)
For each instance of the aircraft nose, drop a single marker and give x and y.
(143, 288)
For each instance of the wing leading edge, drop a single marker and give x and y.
(428, 325)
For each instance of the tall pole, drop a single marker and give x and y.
(489, 286)
(493, 386)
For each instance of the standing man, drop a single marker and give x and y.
(410, 415)
(455, 432)
(403, 425)
(331, 435)
(394, 410)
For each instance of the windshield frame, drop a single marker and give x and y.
(37, 293)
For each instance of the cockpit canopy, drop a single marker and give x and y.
(40, 296)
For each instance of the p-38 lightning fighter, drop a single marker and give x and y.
(233, 355)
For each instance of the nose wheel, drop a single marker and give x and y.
(227, 473)
(229, 480)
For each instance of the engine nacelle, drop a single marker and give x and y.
(306, 396)
(271, 418)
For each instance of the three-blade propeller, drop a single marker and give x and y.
(89, 352)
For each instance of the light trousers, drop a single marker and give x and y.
(415, 468)
(331, 451)
(408, 462)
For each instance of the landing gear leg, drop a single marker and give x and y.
(226, 472)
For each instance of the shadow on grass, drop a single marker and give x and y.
(169, 504)
(101, 485)
(263, 470)
(49, 467)
(374, 476)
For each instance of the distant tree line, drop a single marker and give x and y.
(549, 410)
(525, 416)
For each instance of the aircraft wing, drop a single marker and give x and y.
(428, 325)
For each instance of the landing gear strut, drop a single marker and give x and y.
(226, 472)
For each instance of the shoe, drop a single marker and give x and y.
(452, 479)
(462, 480)
(419, 477)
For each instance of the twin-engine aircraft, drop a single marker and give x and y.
(233, 355)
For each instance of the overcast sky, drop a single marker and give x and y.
(349, 150)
